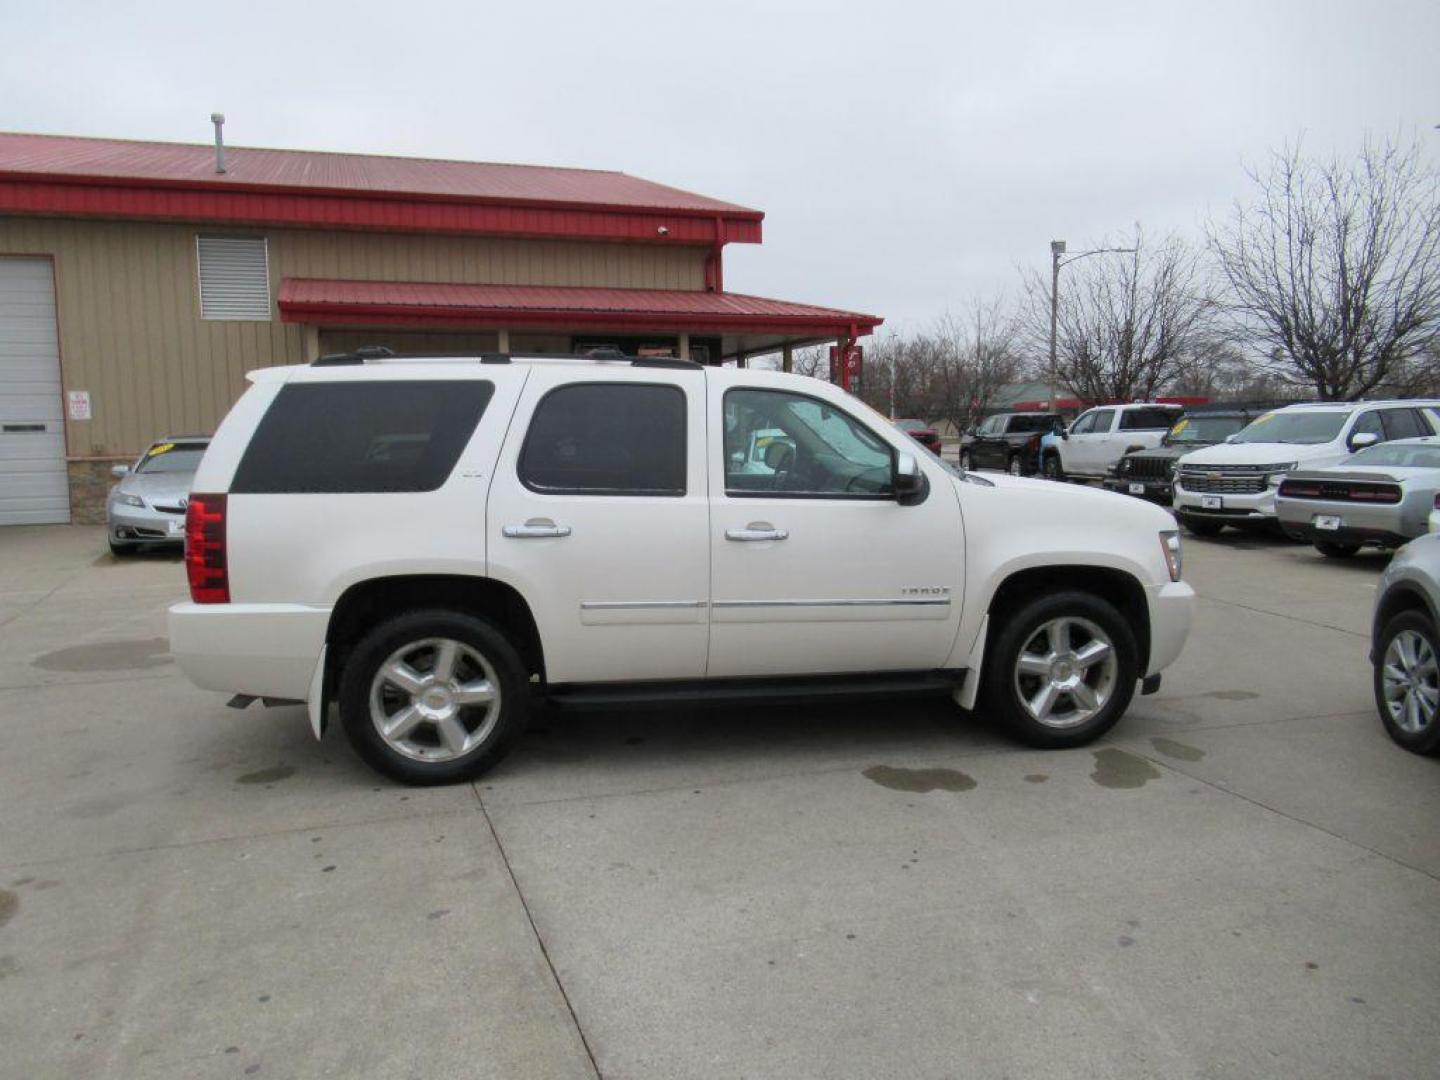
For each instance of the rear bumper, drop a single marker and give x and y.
(1172, 610)
(267, 650)
(1344, 535)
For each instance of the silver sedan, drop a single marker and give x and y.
(148, 506)
(1380, 497)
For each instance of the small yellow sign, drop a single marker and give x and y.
(161, 448)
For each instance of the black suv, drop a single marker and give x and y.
(1150, 473)
(1008, 441)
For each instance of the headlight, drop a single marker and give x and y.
(1277, 472)
(129, 500)
(1170, 545)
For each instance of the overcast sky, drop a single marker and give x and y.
(908, 157)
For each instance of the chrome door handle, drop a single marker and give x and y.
(535, 528)
(756, 530)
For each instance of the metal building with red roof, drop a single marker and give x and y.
(139, 281)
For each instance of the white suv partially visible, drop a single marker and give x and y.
(434, 545)
(1100, 437)
(1234, 482)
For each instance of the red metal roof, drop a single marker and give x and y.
(194, 163)
(63, 175)
(418, 303)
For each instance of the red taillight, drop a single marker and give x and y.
(205, 562)
(1299, 491)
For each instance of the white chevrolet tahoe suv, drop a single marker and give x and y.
(434, 545)
(1235, 482)
(1100, 437)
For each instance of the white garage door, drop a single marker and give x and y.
(33, 486)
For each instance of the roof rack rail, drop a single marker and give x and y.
(380, 352)
(359, 356)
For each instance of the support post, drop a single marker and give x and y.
(683, 349)
(787, 357)
(312, 343)
(502, 343)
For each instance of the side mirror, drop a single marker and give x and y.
(1361, 440)
(1064, 433)
(1231, 438)
(907, 481)
(119, 470)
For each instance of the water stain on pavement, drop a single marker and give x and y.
(919, 780)
(267, 776)
(1232, 695)
(132, 655)
(8, 966)
(1036, 778)
(9, 904)
(1179, 750)
(1118, 769)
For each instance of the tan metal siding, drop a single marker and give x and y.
(129, 309)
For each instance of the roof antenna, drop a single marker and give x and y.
(218, 119)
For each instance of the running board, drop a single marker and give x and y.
(733, 692)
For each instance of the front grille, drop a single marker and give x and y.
(1222, 483)
(1147, 468)
(170, 509)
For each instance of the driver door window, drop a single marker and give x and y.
(1084, 425)
(787, 445)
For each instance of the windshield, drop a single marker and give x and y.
(1404, 455)
(171, 458)
(1303, 428)
(1203, 429)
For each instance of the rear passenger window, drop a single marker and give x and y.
(606, 439)
(1148, 419)
(378, 436)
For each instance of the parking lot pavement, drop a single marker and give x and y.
(1243, 879)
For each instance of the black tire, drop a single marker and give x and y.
(965, 465)
(1052, 467)
(1015, 467)
(413, 628)
(1427, 740)
(1332, 550)
(1200, 527)
(1002, 694)
(120, 550)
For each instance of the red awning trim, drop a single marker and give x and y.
(525, 307)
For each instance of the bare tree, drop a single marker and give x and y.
(813, 360)
(1335, 268)
(1126, 323)
(977, 355)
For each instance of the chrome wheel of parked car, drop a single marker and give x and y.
(434, 696)
(1066, 672)
(965, 460)
(435, 700)
(1014, 467)
(1410, 678)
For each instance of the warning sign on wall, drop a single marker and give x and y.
(78, 403)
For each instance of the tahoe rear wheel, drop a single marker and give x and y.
(1062, 670)
(1053, 471)
(433, 697)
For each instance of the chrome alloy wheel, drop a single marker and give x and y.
(1411, 681)
(1066, 672)
(435, 700)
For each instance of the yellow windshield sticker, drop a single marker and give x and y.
(1178, 428)
(1263, 419)
(163, 448)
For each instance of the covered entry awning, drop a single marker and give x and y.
(759, 322)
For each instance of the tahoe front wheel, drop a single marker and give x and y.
(1062, 670)
(433, 697)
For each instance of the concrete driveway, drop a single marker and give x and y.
(1240, 881)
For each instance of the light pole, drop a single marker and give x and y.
(1057, 249)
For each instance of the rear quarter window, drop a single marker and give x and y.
(354, 437)
(1148, 419)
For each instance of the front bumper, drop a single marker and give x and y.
(143, 525)
(1172, 610)
(1158, 491)
(268, 650)
(1234, 509)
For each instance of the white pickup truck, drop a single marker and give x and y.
(434, 545)
(1100, 437)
